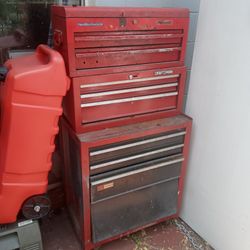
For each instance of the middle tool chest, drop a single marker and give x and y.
(125, 178)
(124, 97)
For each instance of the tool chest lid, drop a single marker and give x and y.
(76, 11)
(170, 122)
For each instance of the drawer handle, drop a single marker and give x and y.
(137, 171)
(91, 85)
(114, 92)
(102, 165)
(131, 99)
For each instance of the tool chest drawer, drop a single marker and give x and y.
(116, 182)
(119, 214)
(98, 40)
(110, 97)
(130, 176)
(135, 151)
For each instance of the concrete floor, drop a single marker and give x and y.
(58, 234)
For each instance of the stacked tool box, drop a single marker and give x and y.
(124, 138)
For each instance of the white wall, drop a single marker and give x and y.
(217, 190)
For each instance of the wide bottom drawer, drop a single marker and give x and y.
(116, 215)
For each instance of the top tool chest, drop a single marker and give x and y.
(126, 64)
(96, 40)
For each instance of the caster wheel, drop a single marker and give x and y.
(36, 207)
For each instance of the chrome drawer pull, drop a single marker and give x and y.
(137, 171)
(127, 81)
(131, 99)
(103, 151)
(129, 90)
(102, 165)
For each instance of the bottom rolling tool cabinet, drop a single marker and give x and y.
(122, 179)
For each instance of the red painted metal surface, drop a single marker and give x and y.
(117, 99)
(99, 40)
(31, 98)
(78, 200)
(127, 74)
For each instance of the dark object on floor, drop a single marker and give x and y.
(23, 235)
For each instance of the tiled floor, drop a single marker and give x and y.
(58, 234)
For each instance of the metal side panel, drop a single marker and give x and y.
(112, 217)
(74, 187)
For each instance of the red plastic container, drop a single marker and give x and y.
(31, 98)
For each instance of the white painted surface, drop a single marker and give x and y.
(217, 190)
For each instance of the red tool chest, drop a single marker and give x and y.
(120, 98)
(30, 106)
(99, 40)
(124, 155)
(122, 179)
(126, 64)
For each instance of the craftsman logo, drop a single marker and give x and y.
(105, 186)
(164, 72)
(89, 24)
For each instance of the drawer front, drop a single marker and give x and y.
(117, 182)
(131, 210)
(120, 155)
(123, 56)
(171, 38)
(125, 94)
